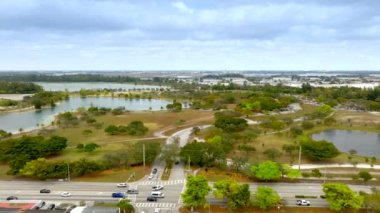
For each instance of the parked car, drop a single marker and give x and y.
(158, 187)
(151, 198)
(45, 191)
(59, 207)
(132, 191)
(71, 208)
(154, 171)
(41, 204)
(122, 185)
(303, 203)
(51, 206)
(12, 198)
(118, 194)
(65, 194)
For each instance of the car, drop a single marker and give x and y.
(51, 206)
(157, 210)
(65, 194)
(150, 177)
(151, 198)
(303, 203)
(118, 194)
(154, 171)
(12, 198)
(40, 205)
(176, 162)
(132, 191)
(122, 185)
(45, 191)
(158, 187)
(71, 208)
(157, 194)
(59, 207)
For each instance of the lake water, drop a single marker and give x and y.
(76, 86)
(365, 143)
(28, 120)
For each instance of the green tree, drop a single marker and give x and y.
(125, 206)
(266, 171)
(230, 123)
(365, 176)
(197, 189)
(319, 150)
(341, 197)
(238, 195)
(266, 197)
(90, 147)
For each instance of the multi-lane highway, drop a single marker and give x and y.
(172, 190)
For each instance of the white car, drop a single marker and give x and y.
(122, 185)
(65, 194)
(150, 177)
(158, 187)
(303, 203)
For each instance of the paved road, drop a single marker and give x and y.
(172, 190)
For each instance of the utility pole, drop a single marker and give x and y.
(189, 163)
(299, 158)
(68, 172)
(144, 156)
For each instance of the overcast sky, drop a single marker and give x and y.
(189, 35)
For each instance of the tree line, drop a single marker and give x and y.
(238, 196)
(18, 87)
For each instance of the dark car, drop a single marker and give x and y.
(118, 194)
(154, 171)
(151, 198)
(132, 191)
(59, 207)
(45, 191)
(71, 208)
(51, 206)
(176, 162)
(12, 198)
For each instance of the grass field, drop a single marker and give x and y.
(115, 175)
(214, 174)
(153, 120)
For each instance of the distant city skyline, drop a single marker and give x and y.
(189, 35)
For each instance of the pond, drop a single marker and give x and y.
(76, 86)
(365, 143)
(28, 120)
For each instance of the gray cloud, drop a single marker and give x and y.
(239, 31)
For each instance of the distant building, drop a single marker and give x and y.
(239, 81)
(210, 81)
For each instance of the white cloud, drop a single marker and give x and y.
(182, 7)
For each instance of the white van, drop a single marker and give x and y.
(157, 194)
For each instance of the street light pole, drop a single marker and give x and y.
(299, 158)
(144, 156)
(68, 172)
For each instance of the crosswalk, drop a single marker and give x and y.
(165, 183)
(156, 205)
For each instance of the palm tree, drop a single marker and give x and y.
(125, 206)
